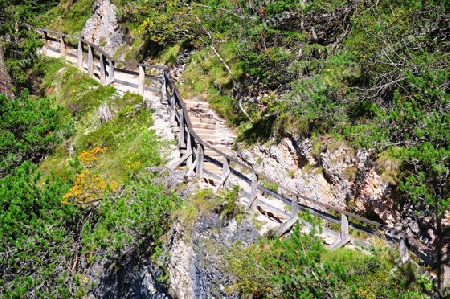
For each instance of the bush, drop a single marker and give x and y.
(29, 130)
(37, 235)
(301, 267)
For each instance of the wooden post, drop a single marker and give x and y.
(344, 229)
(344, 236)
(141, 83)
(253, 190)
(111, 72)
(200, 157)
(181, 141)
(225, 174)
(80, 55)
(189, 150)
(102, 68)
(90, 64)
(45, 48)
(294, 207)
(63, 46)
(225, 169)
(164, 90)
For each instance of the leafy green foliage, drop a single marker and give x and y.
(138, 218)
(19, 43)
(69, 16)
(301, 267)
(37, 235)
(29, 130)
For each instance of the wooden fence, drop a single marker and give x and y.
(193, 147)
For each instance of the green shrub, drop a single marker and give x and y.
(29, 130)
(38, 232)
(300, 267)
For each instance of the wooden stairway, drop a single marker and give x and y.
(212, 130)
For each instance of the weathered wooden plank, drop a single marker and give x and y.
(44, 49)
(191, 169)
(186, 155)
(211, 174)
(80, 55)
(225, 174)
(344, 227)
(102, 68)
(90, 64)
(294, 207)
(63, 47)
(141, 81)
(286, 226)
(111, 73)
(164, 91)
(254, 186)
(200, 157)
(181, 141)
(190, 149)
(344, 236)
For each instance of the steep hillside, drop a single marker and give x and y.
(345, 101)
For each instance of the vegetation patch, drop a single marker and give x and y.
(300, 267)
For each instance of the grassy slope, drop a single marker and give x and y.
(97, 170)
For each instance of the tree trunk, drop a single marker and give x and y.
(5, 80)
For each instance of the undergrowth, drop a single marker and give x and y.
(299, 266)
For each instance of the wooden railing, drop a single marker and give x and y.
(193, 147)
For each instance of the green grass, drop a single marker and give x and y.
(169, 55)
(205, 72)
(130, 142)
(69, 17)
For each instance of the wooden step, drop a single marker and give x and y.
(205, 132)
(213, 168)
(202, 120)
(196, 104)
(203, 114)
(198, 125)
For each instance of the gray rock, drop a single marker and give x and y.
(197, 267)
(131, 276)
(102, 27)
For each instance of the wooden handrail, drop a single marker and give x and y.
(99, 50)
(194, 141)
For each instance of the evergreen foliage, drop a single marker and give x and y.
(37, 235)
(300, 267)
(29, 130)
(95, 202)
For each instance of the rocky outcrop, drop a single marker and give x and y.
(332, 173)
(131, 276)
(5, 80)
(102, 27)
(197, 265)
(290, 162)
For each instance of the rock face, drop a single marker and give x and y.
(334, 174)
(197, 267)
(102, 28)
(5, 80)
(130, 277)
(291, 163)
